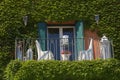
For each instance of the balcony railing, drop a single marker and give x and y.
(63, 49)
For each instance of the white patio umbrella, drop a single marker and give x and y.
(105, 48)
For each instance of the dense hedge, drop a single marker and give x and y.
(64, 70)
(12, 69)
(4, 60)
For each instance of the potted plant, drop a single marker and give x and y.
(65, 54)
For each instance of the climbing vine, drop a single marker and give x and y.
(12, 12)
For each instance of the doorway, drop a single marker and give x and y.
(60, 38)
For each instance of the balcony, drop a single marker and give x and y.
(60, 48)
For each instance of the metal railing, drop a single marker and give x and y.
(76, 48)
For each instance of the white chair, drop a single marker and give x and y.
(86, 54)
(43, 55)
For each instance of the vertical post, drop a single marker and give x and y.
(15, 47)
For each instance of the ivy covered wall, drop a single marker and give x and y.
(12, 12)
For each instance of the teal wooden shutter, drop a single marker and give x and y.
(42, 32)
(80, 36)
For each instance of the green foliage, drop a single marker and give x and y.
(4, 60)
(12, 69)
(11, 26)
(64, 70)
(12, 12)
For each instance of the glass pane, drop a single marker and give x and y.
(68, 31)
(53, 33)
(53, 42)
(70, 35)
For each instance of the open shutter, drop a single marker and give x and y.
(79, 36)
(42, 32)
